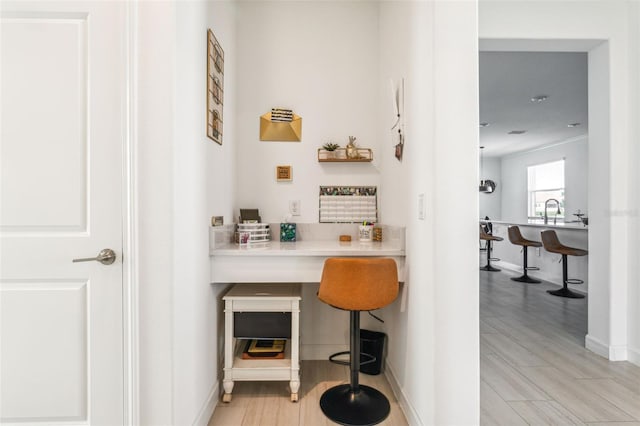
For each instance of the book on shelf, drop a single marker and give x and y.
(264, 348)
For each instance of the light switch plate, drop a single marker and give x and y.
(420, 206)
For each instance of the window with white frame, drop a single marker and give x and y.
(546, 181)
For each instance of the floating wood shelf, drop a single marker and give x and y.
(363, 155)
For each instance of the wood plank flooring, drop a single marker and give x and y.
(534, 370)
(268, 404)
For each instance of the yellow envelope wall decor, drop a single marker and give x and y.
(280, 131)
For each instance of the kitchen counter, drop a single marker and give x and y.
(578, 226)
(572, 234)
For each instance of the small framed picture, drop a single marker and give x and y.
(283, 173)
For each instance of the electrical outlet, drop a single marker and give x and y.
(538, 251)
(420, 206)
(294, 207)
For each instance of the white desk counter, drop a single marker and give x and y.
(300, 261)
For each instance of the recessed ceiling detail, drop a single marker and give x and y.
(484, 124)
(539, 98)
(511, 84)
(517, 132)
(573, 125)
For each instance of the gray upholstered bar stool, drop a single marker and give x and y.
(516, 238)
(357, 284)
(489, 239)
(553, 245)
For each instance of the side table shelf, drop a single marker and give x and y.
(275, 298)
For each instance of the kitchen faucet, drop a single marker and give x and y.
(546, 218)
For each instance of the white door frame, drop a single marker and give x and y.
(129, 230)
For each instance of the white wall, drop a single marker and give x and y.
(514, 178)
(183, 179)
(491, 204)
(610, 143)
(154, 107)
(202, 187)
(434, 46)
(321, 60)
(634, 204)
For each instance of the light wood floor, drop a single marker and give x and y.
(268, 403)
(533, 367)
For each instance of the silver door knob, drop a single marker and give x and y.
(106, 257)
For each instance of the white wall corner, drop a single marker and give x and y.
(209, 406)
(405, 405)
(612, 353)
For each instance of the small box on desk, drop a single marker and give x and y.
(287, 232)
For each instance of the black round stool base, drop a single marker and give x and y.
(526, 279)
(366, 407)
(489, 268)
(565, 292)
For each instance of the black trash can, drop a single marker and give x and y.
(372, 343)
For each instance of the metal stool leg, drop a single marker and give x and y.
(564, 291)
(525, 278)
(488, 266)
(353, 403)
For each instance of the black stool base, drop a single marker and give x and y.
(565, 292)
(489, 268)
(526, 279)
(368, 406)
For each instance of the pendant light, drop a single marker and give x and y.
(487, 186)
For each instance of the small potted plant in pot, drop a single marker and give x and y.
(330, 147)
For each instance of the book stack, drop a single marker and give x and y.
(264, 349)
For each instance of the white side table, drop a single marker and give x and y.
(261, 298)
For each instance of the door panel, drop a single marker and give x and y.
(63, 107)
(45, 156)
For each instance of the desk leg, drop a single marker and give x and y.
(295, 350)
(227, 382)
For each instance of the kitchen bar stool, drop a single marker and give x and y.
(553, 245)
(489, 238)
(357, 284)
(517, 239)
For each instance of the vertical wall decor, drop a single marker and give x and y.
(215, 87)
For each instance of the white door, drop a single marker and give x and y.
(62, 130)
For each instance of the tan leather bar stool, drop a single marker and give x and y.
(553, 245)
(357, 284)
(489, 238)
(517, 239)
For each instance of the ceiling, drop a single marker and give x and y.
(508, 81)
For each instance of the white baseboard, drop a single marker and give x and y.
(612, 353)
(406, 407)
(634, 356)
(209, 406)
(618, 353)
(596, 346)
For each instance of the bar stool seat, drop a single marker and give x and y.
(516, 238)
(553, 245)
(357, 284)
(489, 239)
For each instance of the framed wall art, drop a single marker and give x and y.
(215, 87)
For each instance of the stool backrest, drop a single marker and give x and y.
(515, 236)
(550, 240)
(359, 284)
